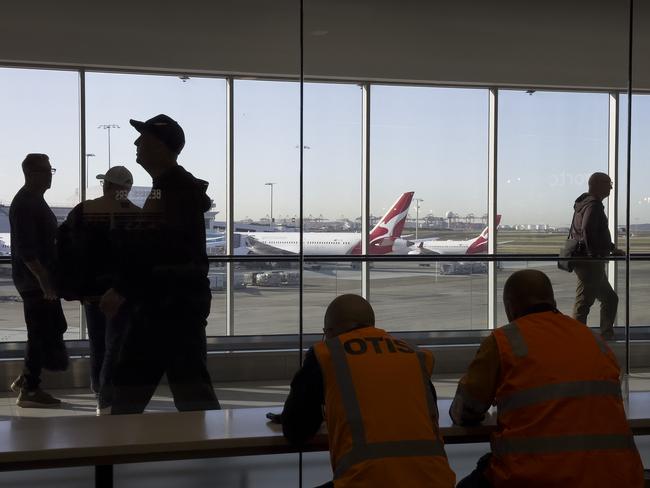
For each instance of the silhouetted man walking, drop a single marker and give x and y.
(165, 279)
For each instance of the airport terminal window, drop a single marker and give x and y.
(332, 194)
(433, 142)
(549, 143)
(639, 205)
(267, 158)
(40, 115)
(199, 106)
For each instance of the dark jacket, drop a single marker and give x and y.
(86, 248)
(33, 231)
(163, 259)
(590, 226)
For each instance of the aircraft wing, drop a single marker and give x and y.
(258, 247)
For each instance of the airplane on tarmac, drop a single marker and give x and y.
(476, 245)
(382, 236)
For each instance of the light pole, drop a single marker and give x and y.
(271, 215)
(88, 155)
(108, 127)
(417, 215)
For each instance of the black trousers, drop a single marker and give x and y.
(168, 341)
(105, 338)
(46, 325)
(476, 478)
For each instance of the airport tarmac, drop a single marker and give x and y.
(406, 296)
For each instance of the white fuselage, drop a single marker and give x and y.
(322, 243)
(448, 247)
(403, 246)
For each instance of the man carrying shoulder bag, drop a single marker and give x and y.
(589, 236)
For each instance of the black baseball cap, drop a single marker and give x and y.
(164, 128)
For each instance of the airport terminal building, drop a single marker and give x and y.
(415, 153)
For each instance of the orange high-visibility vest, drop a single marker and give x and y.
(561, 420)
(382, 419)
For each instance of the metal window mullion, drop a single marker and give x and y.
(365, 190)
(493, 120)
(230, 201)
(82, 173)
(628, 356)
(612, 169)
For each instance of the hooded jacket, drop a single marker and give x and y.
(590, 226)
(165, 259)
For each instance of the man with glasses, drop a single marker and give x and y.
(590, 228)
(379, 403)
(33, 231)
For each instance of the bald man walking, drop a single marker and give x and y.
(561, 420)
(380, 405)
(590, 228)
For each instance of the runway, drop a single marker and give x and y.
(406, 296)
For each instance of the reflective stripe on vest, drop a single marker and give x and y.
(572, 389)
(600, 341)
(361, 450)
(542, 445)
(516, 340)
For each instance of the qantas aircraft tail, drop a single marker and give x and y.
(389, 228)
(480, 244)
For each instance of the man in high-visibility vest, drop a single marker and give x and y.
(380, 405)
(561, 421)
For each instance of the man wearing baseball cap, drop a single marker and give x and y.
(165, 283)
(89, 245)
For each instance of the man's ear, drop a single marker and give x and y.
(507, 304)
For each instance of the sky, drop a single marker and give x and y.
(425, 139)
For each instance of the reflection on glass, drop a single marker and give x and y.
(549, 145)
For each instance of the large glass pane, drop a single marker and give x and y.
(433, 142)
(40, 115)
(199, 106)
(267, 156)
(426, 296)
(332, 176)
(549, 145)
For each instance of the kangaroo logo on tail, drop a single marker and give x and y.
(480, 244)
(389, 228)
(392, 224)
